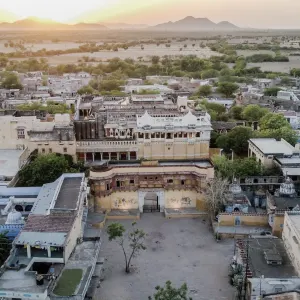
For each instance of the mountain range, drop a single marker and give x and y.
(195, 24)
(186, 24)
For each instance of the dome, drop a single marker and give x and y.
(287, 187)
(235, 188)
(14, 217)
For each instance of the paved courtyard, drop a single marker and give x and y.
(180, 250)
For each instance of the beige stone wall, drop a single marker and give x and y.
(55, 146)
(290, 236)
(180, 199)
(118, 200)
(246, 220)
(8, 131)
(278, 225)
(165, 150)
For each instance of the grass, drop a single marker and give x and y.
(68, 282)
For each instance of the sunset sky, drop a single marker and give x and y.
(245, 13)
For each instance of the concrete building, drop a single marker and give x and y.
(291, 237)
(29, 132)
(50, 243)
(164, 186)
(267, 265)
(266, 149)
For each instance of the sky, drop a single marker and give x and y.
(244, 13)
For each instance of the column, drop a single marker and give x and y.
(93, 154)
(118, 156)
(109, 155)
(101, 155)
(28, 251)
(49, 250)
(84, 156)
(128, 155)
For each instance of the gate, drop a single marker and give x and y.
(151, 208)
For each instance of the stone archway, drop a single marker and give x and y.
(159, 193)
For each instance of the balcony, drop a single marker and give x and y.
(106, 146)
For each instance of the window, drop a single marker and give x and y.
(131, 181)
(65, 150)
(170, 181)
(182, 182)
(21, 133)
(43, 150)
(50, 150)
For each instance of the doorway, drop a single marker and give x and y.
(151, 203)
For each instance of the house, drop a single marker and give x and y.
(266, 149)
(49, 244)
(267, 265)
(284, 199)
(291, 237)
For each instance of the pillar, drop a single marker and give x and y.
(93, 154)
(28, 251)
(49, 250)
(84, 156)
(128, 155)
(101, 155)
(109, 155)
(118, 156)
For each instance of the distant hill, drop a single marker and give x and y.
(194, 24)
(33, 23)
(123, 25)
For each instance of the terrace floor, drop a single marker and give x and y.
(179, 250)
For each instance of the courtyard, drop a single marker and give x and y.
(179, 250)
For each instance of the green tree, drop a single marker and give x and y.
(227, 88)
(5, 247)
(86, 90)
(168, 292)
(209, 73)
(236, 140)
(272, 121)
(204, 90)
(136, 239)
(44, 169)
(10, 81)
(236, 112)
(254, 112)
(155, 59)
(285, 132)
(272, 91)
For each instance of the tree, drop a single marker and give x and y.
(236, 140)
(204, 90)
(254, 112)
(209, 73)
(155, 59)
(236, 112)
(285, 132)
(227, 88)
(11, 81)
(5, 247)
(239, 168)
(44, 169)
(136, 238)
(272, 91)
(86, 90)
(216, 195)
(168, 292)
(273, 121)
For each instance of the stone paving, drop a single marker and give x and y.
(180, 250)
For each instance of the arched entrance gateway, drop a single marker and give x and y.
(151, 200)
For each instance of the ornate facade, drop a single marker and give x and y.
(132, 186)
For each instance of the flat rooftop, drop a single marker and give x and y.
(69, 193)
(258, 246)
(9, 162)
(295, 218)
(271, 146)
